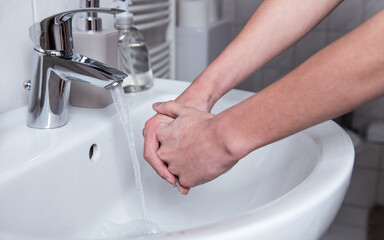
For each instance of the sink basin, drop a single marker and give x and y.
(77, 182)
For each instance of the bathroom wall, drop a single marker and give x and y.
(16, 47)
(367, 185)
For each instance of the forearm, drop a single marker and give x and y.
(274, 27)
(341, 77)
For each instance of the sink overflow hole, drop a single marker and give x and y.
(92, 152)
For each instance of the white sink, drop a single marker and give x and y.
(51, 189)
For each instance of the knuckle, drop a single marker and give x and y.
(162, 155)
(148, 124)
(147, 156)
(185, 182)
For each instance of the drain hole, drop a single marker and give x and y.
(93, 152)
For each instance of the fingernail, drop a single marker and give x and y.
(170, 181)
(179, 188)
(157, 104)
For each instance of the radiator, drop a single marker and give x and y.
(156, 20)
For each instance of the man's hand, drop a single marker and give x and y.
(190, 146)
(151, 145)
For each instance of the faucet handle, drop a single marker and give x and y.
(53, 35)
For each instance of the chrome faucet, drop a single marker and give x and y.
(55, 66)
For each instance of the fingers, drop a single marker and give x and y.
(161, 156)
(170, 108)
(158, 165)
(151, 146)
(183, 190)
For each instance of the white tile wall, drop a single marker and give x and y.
(46, 8)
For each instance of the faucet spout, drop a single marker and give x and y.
(51, 82)
(55, 66)
(84, 69)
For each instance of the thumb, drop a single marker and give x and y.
(170, 108)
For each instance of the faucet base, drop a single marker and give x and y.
(48, 100)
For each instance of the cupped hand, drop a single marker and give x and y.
(151, 145)
(190, 146)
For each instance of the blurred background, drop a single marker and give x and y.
(184, 36)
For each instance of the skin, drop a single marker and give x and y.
(197, 146)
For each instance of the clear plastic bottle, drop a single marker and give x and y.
(132, 55)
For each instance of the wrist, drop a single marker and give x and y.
(197, 95)
(230, 137)
(205, 90)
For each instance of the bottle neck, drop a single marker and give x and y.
(123, 22)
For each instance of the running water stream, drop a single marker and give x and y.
(147, 229)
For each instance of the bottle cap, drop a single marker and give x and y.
(124, 20)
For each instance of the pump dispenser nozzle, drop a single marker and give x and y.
(125, 19)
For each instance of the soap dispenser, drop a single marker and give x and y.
(91, 40)
(132, 52)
